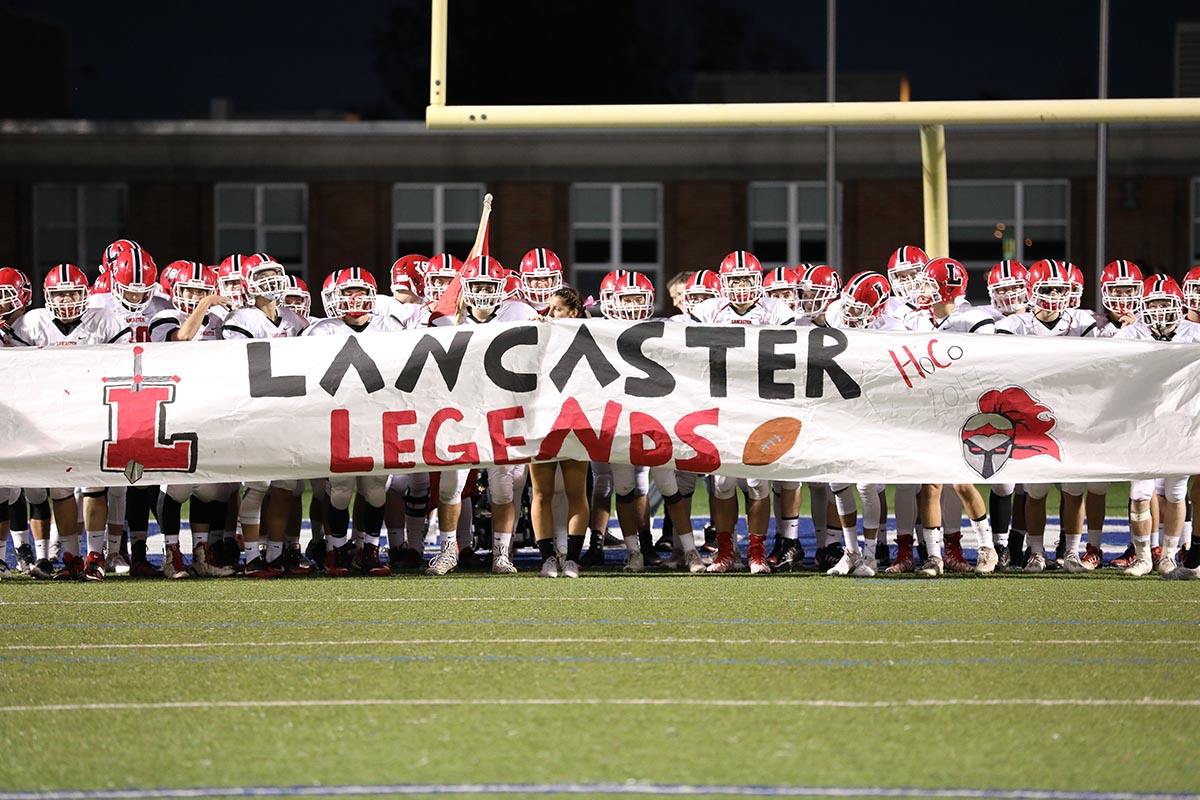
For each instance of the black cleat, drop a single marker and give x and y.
(315, 553)
(829, 556)
(42, 570)
(788, 555)
(1003, 559)
(25, 559)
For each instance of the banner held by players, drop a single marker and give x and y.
(796, 403)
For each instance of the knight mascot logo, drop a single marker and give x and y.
(1010, 424)
(137, 426)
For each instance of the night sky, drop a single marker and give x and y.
(143, 59)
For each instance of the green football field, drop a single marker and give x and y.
(705, 686)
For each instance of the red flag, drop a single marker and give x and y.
(449, 304)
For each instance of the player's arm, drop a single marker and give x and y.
(195, 321)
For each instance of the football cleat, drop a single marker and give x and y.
(315, 552)
(1003, 558)
(338, 560)
(367, 562)
(501, 563)
(569, 569)
(139, 565)
(986, 562)
(634, 562)
(1155, 556)
(407, 558)
(93, 567)
(25, 559)
(1036, 562)
(649, 555)
(1182, 573)
(932, 568)
(1072, 564)
(865, 567)
(726, 559)
(828, 556)
(258, 567)
(469, 559)
(1139, 568)
(594, 557)
(1126, 559)
(756, 555)
(787, 555)
(904, 562)
(445, 561)
(845, 565)
(293, 562)
(4, 568)
(42, 570)
(955, 561)
(550, 567)
(72, 568)
(172, 563)
(203, 566)
(116, 564)
(694, 562)
(1093, 558)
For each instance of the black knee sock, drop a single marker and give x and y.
(546, 548)
(337, 522)
(1000, 508)
(574, 547)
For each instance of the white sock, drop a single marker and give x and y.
(199, 538)
(790, 528)
(1001, 539)
(982, 528)
(338, 541)
(1036, 544)
(933, 541)
(1156, 537)
(501, 541)
(1170, 546)
(95, 541)
(20, 537)
(370, 538)
(560, 539)
(1141, 547)
(1072, 543)
(1095, 538)
(850, 539)
(448, 537)
(868, 549)
(686, 542)
(274, 551)
(41, 549)
(831, 536)
(632, 544)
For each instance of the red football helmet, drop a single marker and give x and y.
(1162, 303)
(483, 280)
(741, 277)
(229, 279)
(114, 250)
(171, 272)
(15, 293)
(1121, 287)
(353, 291)
(408, 276)
(632, 297)
(943, 280)
(102, 284)
(133, 273)
(816, 287)
(1191, 289)
(864, 298)
(905, 263)
(1054, 286)
(541, 274)
(66, 291)
(296, 296)
(780, 283)
(607, 284)
(703, 285)
(443, 269)
(190, 283)
(262, 277)
(514, 289)
(328, 292)
(1008, 286)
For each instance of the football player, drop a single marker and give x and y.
(263, 284)
(742, 302)
(1055, 291)
(541, 274)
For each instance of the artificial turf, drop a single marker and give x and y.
(435, 675)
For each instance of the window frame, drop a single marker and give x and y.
(259, 226)
(82, 259)
(439, 223)
(794, 225)
(615, 226)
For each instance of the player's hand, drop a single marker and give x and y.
(1126, 319)
(216, 300)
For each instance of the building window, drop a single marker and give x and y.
(995, 220)
(74, 223)
(787, 223)
(264, 218)
(429, 218)
(615, 225)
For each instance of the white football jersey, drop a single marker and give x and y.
(507, 311)
(897, 307)
(410, 315)
(963, 319)
(1072, 322)
(333, 326)
(138, 322)
(765, 311)
(1185, 333)
(252, 323)
(172, 319)
(884, 322)
(39, 328)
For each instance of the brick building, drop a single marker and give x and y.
(320, 195)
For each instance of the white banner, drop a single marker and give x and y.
(795, 403)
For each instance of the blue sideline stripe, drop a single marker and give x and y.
(669, 790)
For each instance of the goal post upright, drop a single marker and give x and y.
(930, 116)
